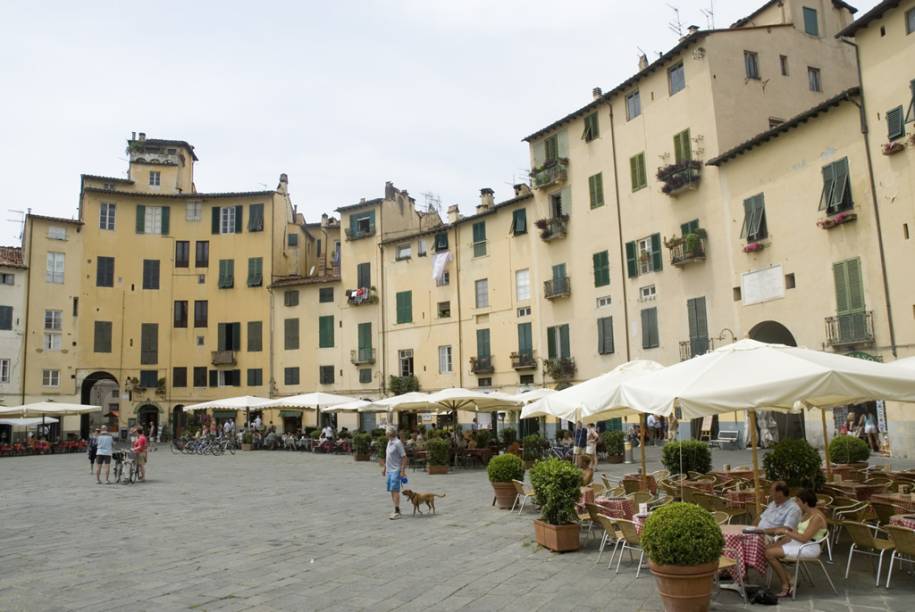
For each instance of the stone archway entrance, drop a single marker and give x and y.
(780, 425)
(148, 417)
(100, 389)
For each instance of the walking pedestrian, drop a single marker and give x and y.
(394, 467)
(581, 442)
(870, 430)
(92, 450)
(139, 448)
(591, 447)
(105, 448)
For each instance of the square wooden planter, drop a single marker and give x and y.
(558, 538)
(437, 469)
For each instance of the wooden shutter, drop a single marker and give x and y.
(404, 307)
(525, 340)
(214, 378)
(479, 232)
(565, 201)
(215, 218)
(483, 349)
(656, 252)
(850, 299)
(441, 241)
(829, 182)
(564, 345)
(165, 215)
(291, 334)
(6, 317)
(239, 216)
(601, 269)
(326, 331)
(364, 275)
(634, 172)
(551, 342)
(698, 322)
(840, 193)
(519, 221)
(221, 338)
(256, 219)
(682, 147)
(605, 335)
(141, 219)
(632, 266)
(255, 336)
(149, 343)
(102, 340)
(364, 334)
(649, 328)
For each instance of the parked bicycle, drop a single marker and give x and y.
(125, 466)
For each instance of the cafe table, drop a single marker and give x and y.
(615, 507)
(750, 549)
(904, 500)
(859, 490)
(903, 520)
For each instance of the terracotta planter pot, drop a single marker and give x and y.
(505, 494)
(437, 469)
(558, 538)
(685, 588)
(362, 456)
(245, 447)
(615, 458)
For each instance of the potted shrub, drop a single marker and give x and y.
(362, 446)
(696, 457)
(501, 471)
(246, 440)
(438, 450)
(557, 485)
(509, 436)
(482, 438)
(615, 445)
(849, 449)
(683, 544)
(795, 462)
(533, 450)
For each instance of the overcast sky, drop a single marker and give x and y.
(343, 96)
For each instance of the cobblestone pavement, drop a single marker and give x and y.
(291, 531)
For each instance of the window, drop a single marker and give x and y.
(180, 313)
(291, 334)
(4, 371)
(291, 298)
(50, 378)
(405, 361)
(895, 123)
(365, 352)
(326, 375)
(404, 307)
(226, 273)
(193, 211)
(290, 376)
(751, 64)
(444, 280)
(524, 311)
(557, 342)
(404, 251)
(525, 341)
(650, 328)
(444, 360)
(154, 178)
(52, 342)
(596, 189)
(256, 218)
(227, 220)
(676, 78)
(551, 148)
(255, 271)
(229, 338)
(481, 291)
(149, 343)
(227, 378)
(526, 380)
(605, 336)
(592, 127)
(836, 194)
(7, 279)
(106, 216)
(361, 225)
(603, 301)
(601, 263)
(179, 377)
(683, 150)
(421, 249)
(479, 239)
(365, 376)
(811, 24)
(813, 79)
(638, 176)
(55, 268)
(519, 221)
(754, 219)
(910, 21)
(364, 275)
(53, 320)
(484, 382)
(104, 272)
(850, 301)
(200, 377)
(523, 285)
(647, 293)
(201, 340)
(182, 254)
(783, 64)
(326, 295)
(444, 310)
(56, 232)
(150, 273)
(633, 105)
(6, 318)
(643, 256)
(202, 254)
(697, 318)
(483, 344)
(292, 240)
(441, 241)
(325, 331)
(152, 219)
(255, 336)
(201, 311)
(255, 377)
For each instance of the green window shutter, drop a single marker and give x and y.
(479, 231)
(643, 176)
(855, 285)
(404, 307)
(365, 336)
(646, 328)
(102, 338)
(656, 252)
(596, 188)
(165, 215)
(565, 201)
(483, 343)
(605, 336)
(221, 337)
(519, 221)
(149, 343)
(682, 147)
(525, 340)
(364, 275)
(235, 344)
(632, 267)
(634, 172)
(829, 182)
(689, 228)
(551, 342)
(559, 273)
(601, 269)
(141, 219)
(564, 345)
(291, 334)
(256, 218)
(841, 196)
(326, 331)
(255, 271)
(239, 216)
(255, 336)
(895, 126)
(215, 220)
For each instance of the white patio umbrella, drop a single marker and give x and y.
(458, 398)
(907, 363)
(406, 402)
(532, 395)
(314, 401)
(354, 406)
(39, 409)
(27, 422)
(241, 402)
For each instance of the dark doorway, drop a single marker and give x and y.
(179, 421)
(98, 389)
(148, 417)
(782, 425)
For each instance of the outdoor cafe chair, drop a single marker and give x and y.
(597, 488)
(722, 518)
(522, 494)
(904, 542)
(864, 541)
(799, 563)
(659, 474)
(695, 475)
(669, 488)
(857, 512)
(631, 541)
(610, 484)
(611, 535)
(677, 477)
(640, 497)
(726, 562)
(884, 511)
(714, 503)
(660, 501)
(632, 485)
(824, 501)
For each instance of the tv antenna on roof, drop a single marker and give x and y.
(709, 15)
(433, 202)
(675, 26)
(20, 221)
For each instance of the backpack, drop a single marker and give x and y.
(762, 596)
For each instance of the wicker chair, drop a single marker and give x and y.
(713, 504)
(611, 534)
(522, 494)
(864, 541)
(722, 518)
(631, 541)
(904, 541)
(884, 511)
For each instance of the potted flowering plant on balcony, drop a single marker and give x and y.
(754, 247)
(891, 148)
(845, 216)
(502, 470)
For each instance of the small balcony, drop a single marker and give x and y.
(850, 330)
(681, 177)
(482, 365)
(361, 296)
(695, 347)
(552, 172)
(360, 232)
(553, 228)
(687, 249)
(219, 358)
(557, 288)
(524, 360)
(363, 356)
(560, 368)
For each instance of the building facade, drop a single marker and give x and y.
(12, 324)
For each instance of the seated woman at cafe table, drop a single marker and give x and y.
(791, 543)
(781, 512)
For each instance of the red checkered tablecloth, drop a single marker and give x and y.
(587, 497)
(903, 520)
(615, 507)
(750, 548)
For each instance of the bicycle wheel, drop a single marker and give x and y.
(118, 467)
(231, 448)
(132, 473)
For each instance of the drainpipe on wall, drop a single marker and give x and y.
(381, 293)
(28, 292)
(619, 228)
(457, 284)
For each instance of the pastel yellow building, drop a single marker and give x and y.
(13, 287)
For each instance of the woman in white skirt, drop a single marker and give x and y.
(811, 527)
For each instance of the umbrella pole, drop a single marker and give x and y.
(755, 443)
(642, 423)
(826, 445)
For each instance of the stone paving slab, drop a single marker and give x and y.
(292, 531)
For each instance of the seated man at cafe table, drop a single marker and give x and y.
(781, 512)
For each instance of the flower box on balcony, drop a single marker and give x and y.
(562, 368)
(891, 148)
(754, 247)
(680, 177)
(552, 228)
(837, 219)
(550, 173)
(687, 249)
(363, 295)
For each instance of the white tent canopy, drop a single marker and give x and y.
(241, 402)
(354, 406)
(39, 409)
(29, 422)
(457, 398)
(907, 363)
(315, 401)
(532, 395)
(405, 402)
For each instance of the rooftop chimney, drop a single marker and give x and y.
(454, 213)
(142, 136)
(486, 199)
(522, 189)
(692, 30)
(643, 62)
(284, 183)
(596, 93)
(389, 190)
(133, 135)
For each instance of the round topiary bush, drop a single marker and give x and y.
(362, 443)
(438, 451)
(682, 534)
(614, 442)
(533, 447)
(505, 468)
(848, 449)
(686, 456)
(557, 485)
(795, 462)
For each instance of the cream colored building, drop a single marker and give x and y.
(12, 324)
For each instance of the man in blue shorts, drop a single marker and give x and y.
(395, 466)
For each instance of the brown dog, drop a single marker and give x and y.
(421, 498)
